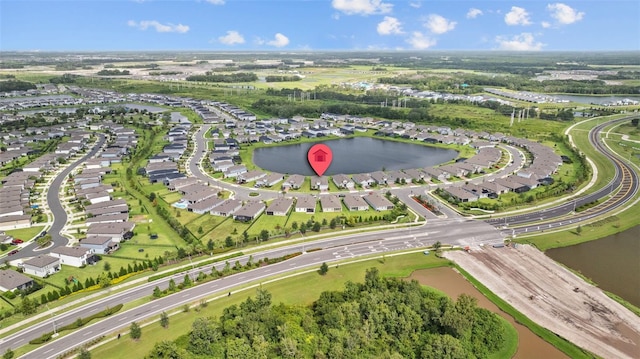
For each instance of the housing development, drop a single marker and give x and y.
(164, 205)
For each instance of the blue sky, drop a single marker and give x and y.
(295, 25)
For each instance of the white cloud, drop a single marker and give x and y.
(231, 38)
(517, 16)
(362, 7)
(419, 41)
(215, 2)
(522, 42)
(279, 41)
(473, 13)
(159, 27)
(545, 24)
(564, 14)
(438, 24)
(390, 26)
(415, 5)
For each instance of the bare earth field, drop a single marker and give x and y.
(555, 298)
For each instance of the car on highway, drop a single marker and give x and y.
(13, 252)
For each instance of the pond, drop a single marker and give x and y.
(352, 155)
(598, 100)
(611, 262)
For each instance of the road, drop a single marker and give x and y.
(55, 206)
(447, 231)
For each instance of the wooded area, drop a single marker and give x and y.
(380, 318)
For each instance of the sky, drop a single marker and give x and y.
(303, 25)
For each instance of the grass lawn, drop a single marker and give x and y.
(270, 223)
(206, 221)
(25, 233)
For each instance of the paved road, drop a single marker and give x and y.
(55, 206)
(458, 232)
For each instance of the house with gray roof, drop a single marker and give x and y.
(330, 203)
(343, 181)
(249, 212)
(279, 207)
(41, 266)
(293, 182)
(355, 202)
(319, 183)
(378, 202)
(305, 204)
(227, 208)
(99, 244)
(11, 280)
(73, 256)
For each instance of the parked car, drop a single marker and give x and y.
(17, 241)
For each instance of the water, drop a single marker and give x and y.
(453, 284)
(599, 100)
(353, 155)
(613, 262)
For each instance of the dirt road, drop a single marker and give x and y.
(555, 298)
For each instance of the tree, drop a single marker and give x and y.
(107, 267)
(316, 227)
(264, 235)
(9, 354)
(324, 268)
(27, 306)
(44, 240)
(210, 244)
(164, 320)
(172, 285)
(228, 242)
(166, 349)
(187, 281)
(579, 229)
(135, 331)
(157, 293)
(84, 354)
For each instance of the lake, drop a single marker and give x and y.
(613, 262)
(352, 155)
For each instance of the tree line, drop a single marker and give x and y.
(235, 77)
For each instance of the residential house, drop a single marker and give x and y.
(41, 266)
(319, 183)
(355, 202)
(227, 208)
(364, 180)
(305, 204)
(99, 244)
(279, 207)
(73, 256)
(250, 211)
(330, 203)
(293, 182)
(11, 280)
(378, 202)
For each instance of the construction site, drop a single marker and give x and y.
(555, 298)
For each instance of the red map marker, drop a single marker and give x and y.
(319, 157)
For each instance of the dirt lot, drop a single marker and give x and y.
(555, 298)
